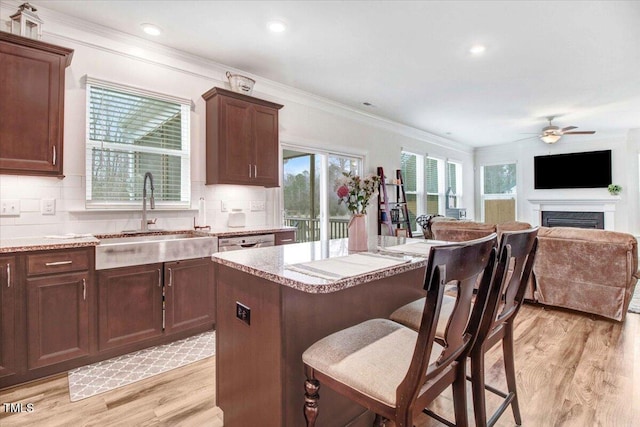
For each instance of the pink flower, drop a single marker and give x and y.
(343, 191)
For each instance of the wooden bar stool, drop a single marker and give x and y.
(496, 325)
(395, 371)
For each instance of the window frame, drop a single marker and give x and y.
(497, 196)
(184, 153)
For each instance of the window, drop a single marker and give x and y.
(499, 193)
(131, 132)
(309, 192)
(454, 184)
(423, 184)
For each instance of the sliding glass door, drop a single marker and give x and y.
(309, 192)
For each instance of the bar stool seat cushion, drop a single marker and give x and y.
(372, 357)
(410, 314)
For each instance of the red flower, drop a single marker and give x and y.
(343, 191)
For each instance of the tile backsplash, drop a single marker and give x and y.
(70, 215)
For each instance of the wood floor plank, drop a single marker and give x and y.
(572, 370)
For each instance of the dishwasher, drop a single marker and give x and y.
(226, 244)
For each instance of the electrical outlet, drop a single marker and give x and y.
(48, 207)
(243, 313)
(10, 207)
(257, 205)
(224, 206)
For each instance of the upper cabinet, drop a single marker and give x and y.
(31, 105)
(242, 139)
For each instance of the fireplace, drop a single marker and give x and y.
(605, 206)
(573, 219)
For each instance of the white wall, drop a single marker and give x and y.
(305, 120)
(624, 172)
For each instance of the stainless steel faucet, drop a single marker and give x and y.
(144, 223)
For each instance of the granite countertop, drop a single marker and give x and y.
(286, 264)
(66, 241)
(25, 244)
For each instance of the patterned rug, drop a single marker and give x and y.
(634, 305)
(109, 374)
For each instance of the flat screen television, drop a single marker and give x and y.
(573, 170)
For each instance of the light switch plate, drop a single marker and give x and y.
(10, 207)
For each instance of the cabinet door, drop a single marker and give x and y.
(189, 294)
(129, 305)
(57, 318)
(265, 150)
(235, 143)
(32, 108)
(7, 316)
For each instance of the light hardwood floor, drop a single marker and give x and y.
(573, 370)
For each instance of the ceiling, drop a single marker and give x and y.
(576, 60)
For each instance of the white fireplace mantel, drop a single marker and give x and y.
(604, 204)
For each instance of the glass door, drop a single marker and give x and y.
(309, 192)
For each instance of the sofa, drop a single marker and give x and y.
(588, 270)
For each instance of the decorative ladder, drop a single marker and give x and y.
(384, 213)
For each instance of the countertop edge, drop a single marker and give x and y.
(326, 288)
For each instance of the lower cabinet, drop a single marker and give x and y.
(129, 305)
(57, 319)
(136, 304)
(189, 295)
(8, 287)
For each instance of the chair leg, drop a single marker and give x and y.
(460, 395)
(510, 371)
(380, 421)
(311, 397)
(477, 388)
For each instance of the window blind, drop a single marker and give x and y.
(129, 134)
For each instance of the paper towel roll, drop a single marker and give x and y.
(202, 213)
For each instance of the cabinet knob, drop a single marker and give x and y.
(54, 155)
(170, 277)
(8, 275)
(84, 289)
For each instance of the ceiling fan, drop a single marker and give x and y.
(552, 134)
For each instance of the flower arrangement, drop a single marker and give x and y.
(356, 192)
(614, 189)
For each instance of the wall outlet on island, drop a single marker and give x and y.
(243, 313)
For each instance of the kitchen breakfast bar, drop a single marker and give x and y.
(273, 303)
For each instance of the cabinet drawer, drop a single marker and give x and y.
(57, 262)
(285, 237)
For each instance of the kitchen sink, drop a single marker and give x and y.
(137, 249)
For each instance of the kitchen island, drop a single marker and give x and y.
(273, 303)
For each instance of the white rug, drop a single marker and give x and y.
(107, 375)
(634, 305)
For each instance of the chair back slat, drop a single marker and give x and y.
(522, 246)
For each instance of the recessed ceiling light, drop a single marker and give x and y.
(152, 30)
(477, 49)
(276, 26)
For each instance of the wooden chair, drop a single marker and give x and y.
(395, 371)
(496, 325)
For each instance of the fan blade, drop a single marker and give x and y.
(568, 128)
(584, 132)
(529, 137)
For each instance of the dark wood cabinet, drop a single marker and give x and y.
(285, 237)
(32, 85)
(242, 139)
(58, 306)
(57, 318)
(189, 294)
(129, 305)
(8, 362)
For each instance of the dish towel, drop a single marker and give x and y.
(347, 266)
